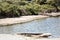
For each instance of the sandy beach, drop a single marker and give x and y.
(22, 19)
(19, 37)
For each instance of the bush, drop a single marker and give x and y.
(16, 9)
(47, 8)
(8, 10)
(33, 8)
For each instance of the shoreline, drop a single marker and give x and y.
(52, 14)
(24, 19)
(19, 37)
(19, 20)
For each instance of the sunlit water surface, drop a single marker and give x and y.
(48, 25)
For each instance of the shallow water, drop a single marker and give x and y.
(48, 25)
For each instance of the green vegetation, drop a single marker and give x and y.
(26, 7)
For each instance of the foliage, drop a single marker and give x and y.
(24, 7)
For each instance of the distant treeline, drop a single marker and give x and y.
(9, 0)
(17, 8)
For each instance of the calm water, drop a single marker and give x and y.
(48, 25)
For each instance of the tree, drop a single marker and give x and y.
(54, 3)
(39, 1)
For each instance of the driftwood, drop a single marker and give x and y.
(43, 35)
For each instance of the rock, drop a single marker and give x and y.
(45, 35)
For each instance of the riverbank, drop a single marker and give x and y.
(19, 37)
(52, 14)
(22, 19)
